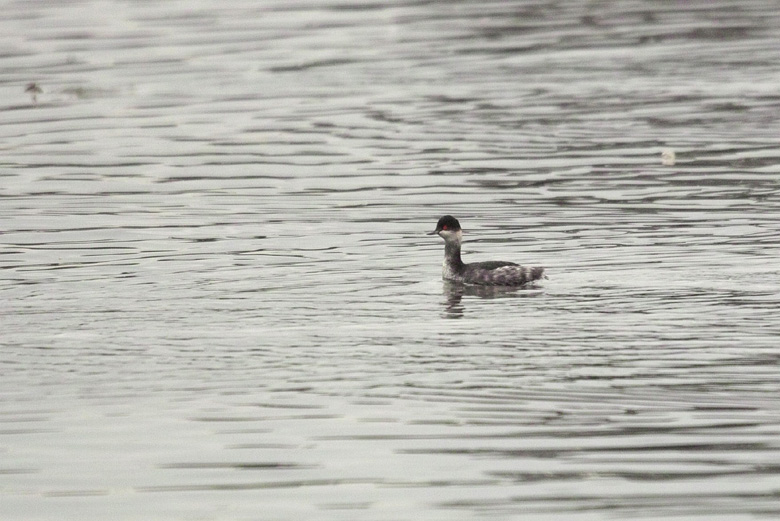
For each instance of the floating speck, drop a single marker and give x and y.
(33, 89)
(668, 157)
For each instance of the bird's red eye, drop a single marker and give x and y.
(444, 227)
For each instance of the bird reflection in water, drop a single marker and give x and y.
(455, 291)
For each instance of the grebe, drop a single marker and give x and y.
(490, 273)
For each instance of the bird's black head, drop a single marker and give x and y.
(447, 224)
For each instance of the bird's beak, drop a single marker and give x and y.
(434, 232)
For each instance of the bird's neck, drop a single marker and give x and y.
(452, 253)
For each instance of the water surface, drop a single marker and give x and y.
(218, 301)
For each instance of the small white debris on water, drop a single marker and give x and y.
(667, 157)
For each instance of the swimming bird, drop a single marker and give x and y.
(490, 273)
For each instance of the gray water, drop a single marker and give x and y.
(218, 300)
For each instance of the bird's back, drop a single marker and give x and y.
(499, 273)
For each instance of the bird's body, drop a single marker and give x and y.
(490, 273)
